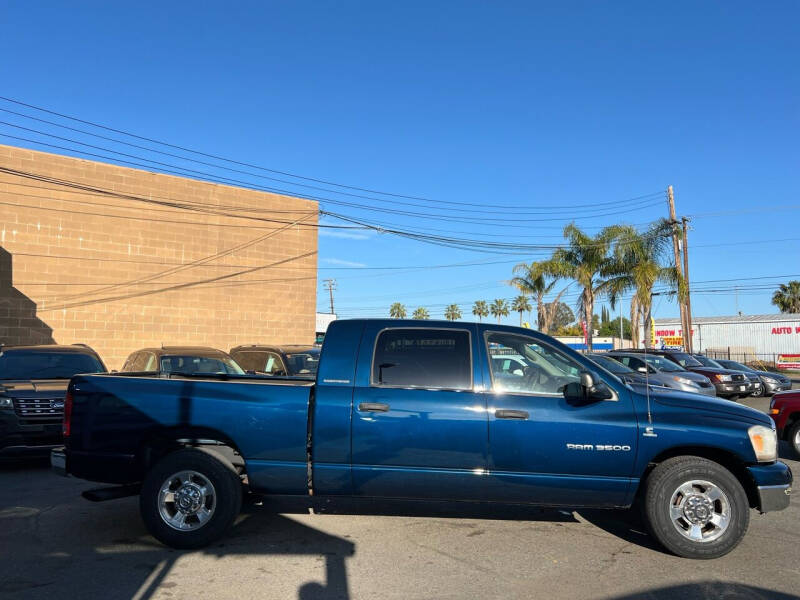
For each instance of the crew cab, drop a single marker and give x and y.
(785, 410)
(33, 384)
(402, 409)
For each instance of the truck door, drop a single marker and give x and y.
(419, 429)
(544, 448)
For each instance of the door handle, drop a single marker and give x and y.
(373, 407)
(511, 414)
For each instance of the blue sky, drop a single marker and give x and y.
(509, 106)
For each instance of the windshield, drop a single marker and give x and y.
(732, 364)
(685, 360)
(609, 364)
(662, 364)
(26, 365)
(200, 364)
(707, 362)
(303, 363)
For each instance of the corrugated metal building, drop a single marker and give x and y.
(762, 335)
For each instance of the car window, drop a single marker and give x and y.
(707, 362)
(26, 365)
(128, 366)
(662, 364)
(274, 365)
(685, 360)
(423, 358)
(200, 364)
(609, 364)
(303, 363)
(538, 368)
(251, 360)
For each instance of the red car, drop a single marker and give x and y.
(785, 411)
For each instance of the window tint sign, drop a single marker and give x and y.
(788, 361)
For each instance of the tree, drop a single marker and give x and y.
(397, 311)
(584, 259)
(480, 309)
(499, 308)
(521, 304)
(452, 312)
(532, 279)
(611, 328)
(421, 313)
(560, 315)
(638, 263)
(787, 297)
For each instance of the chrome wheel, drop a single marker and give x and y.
(187, 500)
(796, 441)
(700, 511)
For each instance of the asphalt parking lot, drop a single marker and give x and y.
(54, 544)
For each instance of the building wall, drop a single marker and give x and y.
(781, 336)
(123, 273)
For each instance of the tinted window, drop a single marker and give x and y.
(303, 363)
(685, 360)
(251, 361)
(423, 358)
(707, 362)
(663, 364)
(200, 364)
(46, 365)
(732, 364)
(522, 364)
(611, 365)
(274, 365)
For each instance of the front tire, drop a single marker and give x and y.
(190, 498)
(794, 438)
(695, 507)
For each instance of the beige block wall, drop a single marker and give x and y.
(89, 266)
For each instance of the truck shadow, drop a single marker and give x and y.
(704, 590)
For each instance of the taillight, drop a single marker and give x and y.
(66, 423)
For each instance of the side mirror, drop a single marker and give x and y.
(591, 387)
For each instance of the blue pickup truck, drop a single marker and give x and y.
(427, 410)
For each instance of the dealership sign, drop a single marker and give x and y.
(788, 361)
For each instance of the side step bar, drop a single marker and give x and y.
(112, 493)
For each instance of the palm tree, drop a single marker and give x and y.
(520, 305)
(452, 312)
(499, 308)
(637, 264)
(584, 259)
(421, 313)
(480, 309)
(532, 279)
(397, 311)
(787, 297)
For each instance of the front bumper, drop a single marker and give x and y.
(773, 485)
(728, 389)
(774, 388)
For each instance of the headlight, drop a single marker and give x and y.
(721, 377)
(6, 402)
(770, 380)
(684, 380)
(764, 442)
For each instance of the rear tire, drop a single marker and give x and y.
(695, 507)
(190, 498)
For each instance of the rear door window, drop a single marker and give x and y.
(423, 358)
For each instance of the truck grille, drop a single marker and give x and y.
(40, 409)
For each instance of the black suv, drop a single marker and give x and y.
(33, 383)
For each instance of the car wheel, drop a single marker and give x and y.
(695, 507)
(190, 498)
(794, 438)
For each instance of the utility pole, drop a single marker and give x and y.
(330, 285)
(676, 249)
(688, 335)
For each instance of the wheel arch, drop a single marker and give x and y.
(793, 418)
(159, 443)
(722, 457)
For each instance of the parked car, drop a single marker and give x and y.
(729, 384)
(414, 410)
(189, 360)
(33, 383)
(755, 380)
(784, 408)
(287, 361)
(772, 382)
(665, 372)
(624, 372)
